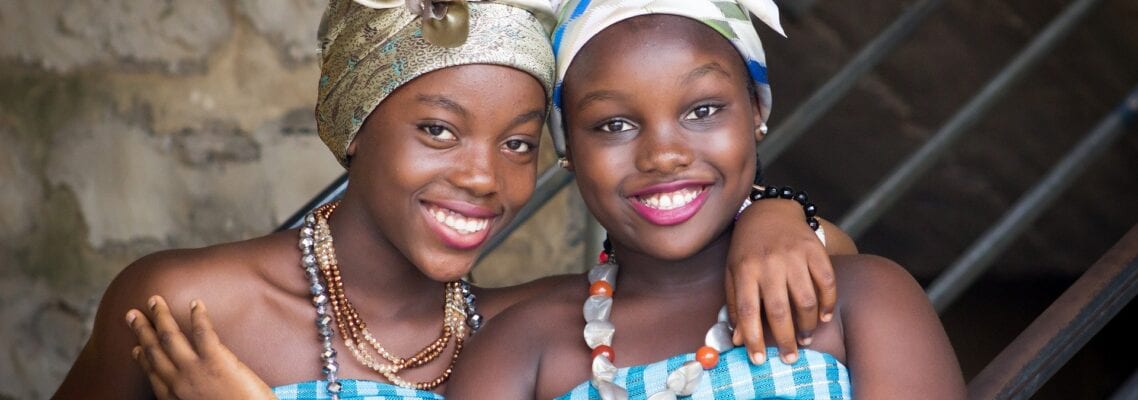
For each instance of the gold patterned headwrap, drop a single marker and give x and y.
(369, 48)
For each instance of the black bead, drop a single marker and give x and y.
(813, 222)
(786, 192)
(756, 194)
(810, 210)
(802, 198)
(607, 245)
(771, 192)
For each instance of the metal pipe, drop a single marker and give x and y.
(902, 179)
(1064, 328)
(820, 102)
(551, 181)
(331, 192)
(1128, 390)
(979, 257)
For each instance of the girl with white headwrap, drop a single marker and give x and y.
(658, 106)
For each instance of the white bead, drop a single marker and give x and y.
(598, 333)
(610, 391)
(684, 380)
(719, 337)
(664, 395)
(603, 272)
(723, 316)
(598, 308)
(603, 369)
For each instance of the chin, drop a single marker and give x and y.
(447, 269)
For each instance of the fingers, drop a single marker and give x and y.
(149, 353)
(805, 312)
(822, 272)
(170, 335)
(161, 391)
(776, 303)
(747, 317)
(204, 337)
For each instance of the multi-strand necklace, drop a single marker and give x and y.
(599, 331)
(319, 262)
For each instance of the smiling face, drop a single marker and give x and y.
(448, 159)
(661, 132)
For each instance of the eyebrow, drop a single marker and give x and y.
(529, 116)
(704, 70)
(443, 102)
(599, 95)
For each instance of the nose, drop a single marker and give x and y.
(663, 150)
(474, 171)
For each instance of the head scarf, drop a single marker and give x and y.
(580, 20)
(369, 48)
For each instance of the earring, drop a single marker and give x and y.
(762, 129)
(563, 163)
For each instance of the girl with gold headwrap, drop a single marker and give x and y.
(435, 108)
(655, 97)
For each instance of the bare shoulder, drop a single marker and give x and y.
(503, 360)
(896, 345)
(494, 300)
(216, 274)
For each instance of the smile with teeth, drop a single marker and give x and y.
(458, 222)
(670, 200)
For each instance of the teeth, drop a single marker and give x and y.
(672, 200)
(458, 222)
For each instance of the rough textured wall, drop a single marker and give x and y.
(131, 126)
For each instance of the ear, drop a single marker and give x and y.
(760, 126)
(351, 151)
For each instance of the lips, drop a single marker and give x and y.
(459, 225)
(671, 203)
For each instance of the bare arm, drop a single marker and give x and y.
(778, 266)
(895, 345)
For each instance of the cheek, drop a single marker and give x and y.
(516, 180)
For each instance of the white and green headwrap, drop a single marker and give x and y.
(580, 20)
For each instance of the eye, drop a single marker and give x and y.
(519, 146)
(438, 132)
(616, 126)
(701, 112)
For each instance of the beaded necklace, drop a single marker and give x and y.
(318, 259)
(599, 331)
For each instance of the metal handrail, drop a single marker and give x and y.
(1061, 330)
(966, 269)
(822, 100)
(873, 205)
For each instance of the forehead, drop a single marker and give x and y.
(635, 40)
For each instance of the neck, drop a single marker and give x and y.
(374, 271)
(645, 275)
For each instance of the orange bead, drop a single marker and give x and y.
(606, 351)
(707, 356)
(600, 288)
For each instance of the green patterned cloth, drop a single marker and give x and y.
(581, 20)
(367, 53)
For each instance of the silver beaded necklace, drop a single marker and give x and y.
(320, 300)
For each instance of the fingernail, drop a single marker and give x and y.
(827, 317)
(152, 302)
(790, 358)
(806, 340)
(758, 358)
(130, 317)
(193, 304)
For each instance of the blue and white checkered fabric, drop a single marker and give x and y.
(352, 390)
(815, 376)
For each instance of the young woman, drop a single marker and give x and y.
(436, 112)
(653, 326)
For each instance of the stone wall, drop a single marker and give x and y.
(131, 126)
